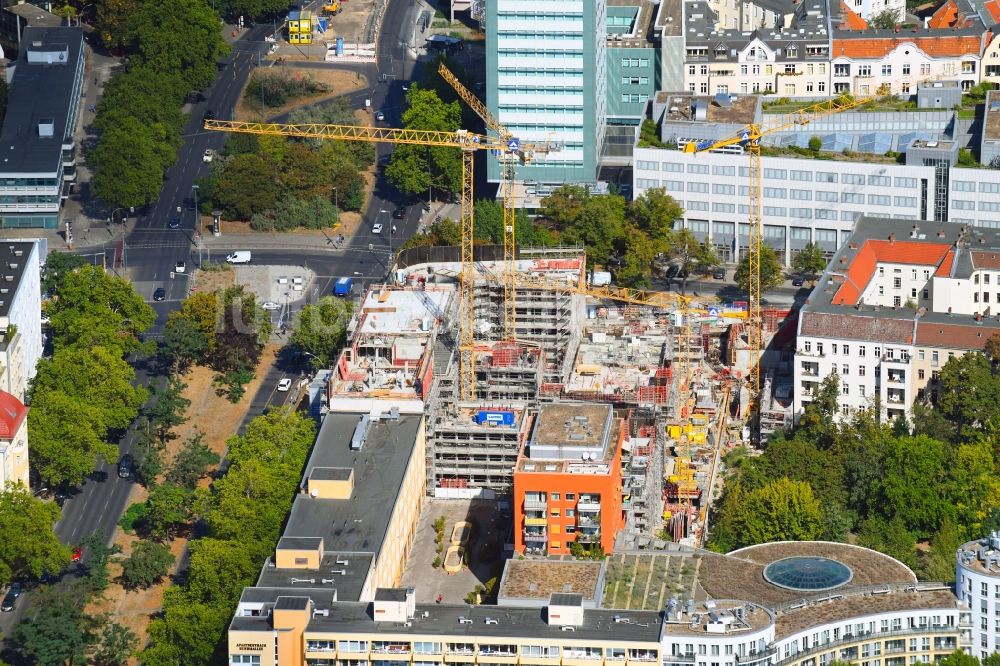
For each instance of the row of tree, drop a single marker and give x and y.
(83, 395)
(914, 492)
(171, 49)
(243, 516)
(278, 183)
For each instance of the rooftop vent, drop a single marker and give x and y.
(46, 128)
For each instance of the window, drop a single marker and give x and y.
(963, 186)
(905, 202)
(723, 171)
(649, 166)
(845, 369)
(672, 166)
(853, 178)
(697, 187)
(850, 197)
(719, 188)
(906, 69)
(845, 389)
(800, 195)
(698, 168)
(570, 497)
(554, 497)
(830, 197)
(880, 181)
(800, 175)
(961, 204)
(861, 390)
(774, 192)
(897, 282)
(897, 301)
(570, 513)
(238, 659)
(723, 208)
(841, 70)
(920, 373)
(802, 213)
(864, 70)
(826, 177)
(861, 350)
(776, 174)
(847, 350)
(910, 183)
(834, 348)
(821, 86)
(554, 513)
(808, 346)
(886, 70)
(879, 200)
(861, 371)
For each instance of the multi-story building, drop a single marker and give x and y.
(546, 81)
(897, 301)
(811, 200)
(20, 315)
(13, 441)
(38, 135)
(568, 481)
(949, 45)
(977, 584)
(799, 604)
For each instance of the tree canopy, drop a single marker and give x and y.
(319, 329)
(772, 273)
(413, 169)
(36, 548)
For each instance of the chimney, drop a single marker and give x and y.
(979, 317)
(940, 233)
(892, 238)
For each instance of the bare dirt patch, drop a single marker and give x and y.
(338, 81)
(217, 419)
(212, 280)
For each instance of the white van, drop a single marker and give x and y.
(239, 257)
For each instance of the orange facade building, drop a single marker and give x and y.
(568, 481)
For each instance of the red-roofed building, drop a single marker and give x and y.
(898, 300)
(13, 440)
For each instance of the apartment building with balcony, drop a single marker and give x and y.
(37, 139)
(568, 481)
(803, 604)
(20, 315)
(977, 584)
(13, 441)
(896, 302)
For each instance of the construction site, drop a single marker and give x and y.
(672, 372)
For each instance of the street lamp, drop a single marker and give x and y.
(335, 204)
(197, 217)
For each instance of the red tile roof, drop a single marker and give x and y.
(990, 260)
(944, 270)
(851, 21)
(944, 16)
(954, 336)
(936, 46)
(12, 414)
(862, 266)
(992, 7)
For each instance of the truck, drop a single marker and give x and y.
(332, 7)
(239, 257)
(342, 287)
(600, 278)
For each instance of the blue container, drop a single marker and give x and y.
(340, 46)
(495, 418)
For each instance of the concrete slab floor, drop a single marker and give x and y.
(486, 554)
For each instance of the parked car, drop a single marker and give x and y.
(798, 280)
(284, 384)
(125, 467)
(77, 554)
(208, 156)
(270, 305)
(399, 213)
(159, 294)
(10, 601)
(672, 270)
(379, 116)
(719, 273)
(377, 228)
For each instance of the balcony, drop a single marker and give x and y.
(391, 648)
(588, 537)
(679, 659)
(467, 649)
(895, 379)
(643, 655)
(894, 398)
(535, 535)
(534, 502)
(536, 522)
(589, 521)
(810, 369)
(582, 654)
(588, 505)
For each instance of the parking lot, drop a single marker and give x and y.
(486, 556)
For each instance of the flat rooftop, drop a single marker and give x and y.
(401, 311)
(35, 16)
(669, 19)
(538, 579)
(571, 425)
(357, 524)
(641, 34)
(682, 106)
(13, 257)
(991, 113)
(42, 94)
(982, 556)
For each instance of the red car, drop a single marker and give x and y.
(77, 554)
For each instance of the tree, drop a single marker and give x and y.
(815, 143)
(781, 510)
(192, 462)
(67, 438)
(111, 19)
(57, 266)
(810, 261)
(959, 658)
(595, 221)
(243, 329)
(151, 96)
(890, 537)
(248, 184)
(291, 212)
(36, 548)
(201, 309)
(251, 8)
(885, 19)
(916, 468)
(95, 308)
(655, 212)
(167, 410)
(413, 169)
(968, 391)
(319, 329)
(129, 163)
(690, 254)
(116, 645)
(180, 36)
(169, 508)
(992, 349)
(58, 631)
(147, 564)
(183, 342)
(95, 569)
(97, 376)
(771, 272)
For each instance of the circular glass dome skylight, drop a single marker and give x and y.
(807, 574)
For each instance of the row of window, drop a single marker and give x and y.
(635, 62)
(844, 69)
(987, 206)
(635, 80)
(544, 34)
(785, 174)
(767, 70)
(634, 98)
(484, 649)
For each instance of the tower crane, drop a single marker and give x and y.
(749, 138)
(513, 152)
(467, 142)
